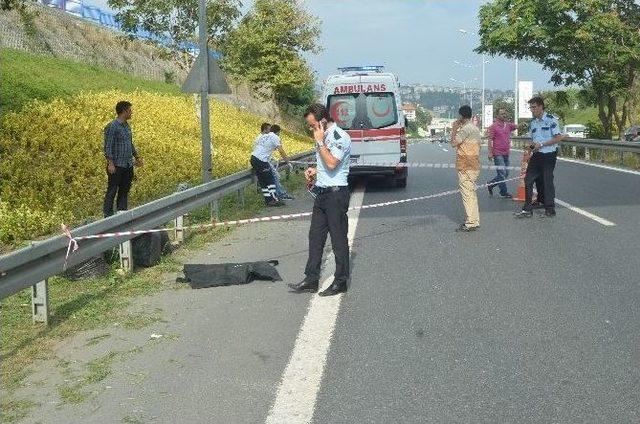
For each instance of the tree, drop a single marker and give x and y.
(423, 117)
(13, 4)
(267, 46)
(177, 20)
(594, 44)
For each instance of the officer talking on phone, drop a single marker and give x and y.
(328, 182)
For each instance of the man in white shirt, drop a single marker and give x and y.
(263, 147)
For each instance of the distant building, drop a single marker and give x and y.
(409, 110)
(440, 126)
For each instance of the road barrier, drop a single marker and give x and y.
(33, 265)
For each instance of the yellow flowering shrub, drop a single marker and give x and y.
(52, 167)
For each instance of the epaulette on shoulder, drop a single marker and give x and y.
(336, 135)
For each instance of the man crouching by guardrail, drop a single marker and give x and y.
(121, 156)
(263, 147)
(466, 138)
(545, 135)
(331, 192)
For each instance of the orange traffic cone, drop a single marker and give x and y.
(519, 197)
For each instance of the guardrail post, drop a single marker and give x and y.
(241, 197)
(215, 210)
(621, 158)
(574, 152)
(40, 302)
(601, 155)
(586, 154)
(126, 260)
(179, 230)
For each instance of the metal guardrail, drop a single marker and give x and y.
(32, 265)
(618, 146)
(589, 145)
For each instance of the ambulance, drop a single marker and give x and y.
(365, 101)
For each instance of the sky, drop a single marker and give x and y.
(418, 40)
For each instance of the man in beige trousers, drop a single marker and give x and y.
(466, 138)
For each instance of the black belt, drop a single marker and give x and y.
(323, 190)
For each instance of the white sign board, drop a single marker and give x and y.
(487, 119)
(525, 93)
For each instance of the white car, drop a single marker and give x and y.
(575, 131)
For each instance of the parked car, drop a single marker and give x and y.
(632, 133)
(575, 131)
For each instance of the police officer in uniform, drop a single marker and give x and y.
(333, 150)
(546, 134)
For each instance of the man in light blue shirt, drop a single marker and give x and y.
(331, 190)
(545, 135)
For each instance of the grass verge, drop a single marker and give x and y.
(94, 304)
(26, 76)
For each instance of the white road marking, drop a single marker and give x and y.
(296, 398)
(585, 213)
(597, 165)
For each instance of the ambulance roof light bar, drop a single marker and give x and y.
(368, 68)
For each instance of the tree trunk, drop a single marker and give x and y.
(605, 118)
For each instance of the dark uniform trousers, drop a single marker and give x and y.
(118, 183)
(329, 216)
(265, 179)
(540, 170)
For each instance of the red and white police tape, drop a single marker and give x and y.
(414, 165)
(73, 241)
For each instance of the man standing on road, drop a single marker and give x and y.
(466, 138)
(121, 156)
(331, 191)
(499, 135)
(264, 146)
(545, 134)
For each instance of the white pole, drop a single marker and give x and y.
(515, 99)
(482, 113)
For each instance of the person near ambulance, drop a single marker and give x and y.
(545, 135)
(264, 145)
(331, 191)
(499, 146)
(466, 138)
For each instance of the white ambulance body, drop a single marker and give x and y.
(365, 101)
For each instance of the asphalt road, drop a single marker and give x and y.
(534, 321)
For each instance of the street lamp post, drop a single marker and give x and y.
(516, 103)
(484, 61)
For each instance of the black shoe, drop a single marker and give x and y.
(333, 289)
(287, 197)
(507, 196)
(523, 214)
(537, 205)
(490, 188)
(275, 203)
(304, 287)
(549, 213)
(464, 229)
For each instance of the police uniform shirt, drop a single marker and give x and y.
(339, 144)
(545, 129)
(265, 145)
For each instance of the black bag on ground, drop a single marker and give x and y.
(90, 268)
(200, 276)
(148, 248)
